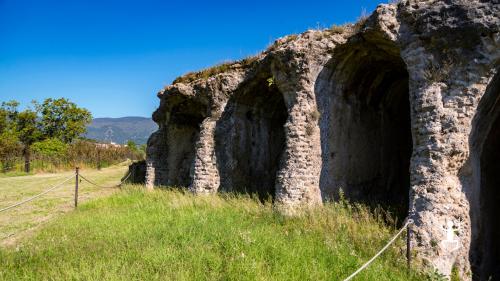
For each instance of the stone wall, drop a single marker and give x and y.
(390, 111)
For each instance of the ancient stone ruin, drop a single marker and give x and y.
(401, 109)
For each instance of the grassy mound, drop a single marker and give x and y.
(170, 235)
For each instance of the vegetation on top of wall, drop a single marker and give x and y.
(337, 29)
(214, 70)
(282, 41)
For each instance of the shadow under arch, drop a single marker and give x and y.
(176, 152)
(250, 138)
(484, 200)
(363, 98)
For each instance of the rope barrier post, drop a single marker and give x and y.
(408, 247)
(76, 185)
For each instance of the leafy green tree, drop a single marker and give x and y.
(8, 116)
(63, 119)
(10, 108)
(3, 120)
(132, 145)
(29, 132)
(9, 149)
(54, 123)
(9, 142)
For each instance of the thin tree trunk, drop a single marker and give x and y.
(27, 159)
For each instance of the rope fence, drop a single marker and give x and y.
(407, 227)
(36, 196)
(77, 177)
(101, 186)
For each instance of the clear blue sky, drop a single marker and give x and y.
(112, 56)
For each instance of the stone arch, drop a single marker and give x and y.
(366, 124)
(182, 129)
(250, 138)
(485, 198)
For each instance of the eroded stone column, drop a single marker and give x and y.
(155, 163)
(204, 173)
(443, 105)
(297, 181)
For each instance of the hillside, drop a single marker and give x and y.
(120, 130)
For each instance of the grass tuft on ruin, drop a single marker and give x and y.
(217, 69)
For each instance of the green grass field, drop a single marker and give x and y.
(171, 235)
(21, 221)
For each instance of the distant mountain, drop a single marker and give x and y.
(121, 130)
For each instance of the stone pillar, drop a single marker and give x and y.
(154, 155)
(443, 103)
(204, 173)
(150, 174)
(297, 181)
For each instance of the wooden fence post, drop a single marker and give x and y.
(98, 159)
(76, 186)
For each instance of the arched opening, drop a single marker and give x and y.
(182, 132)
(368, 140)
(250, 139)
(490, 204)
(485, 207)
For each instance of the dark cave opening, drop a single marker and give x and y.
(489, 206)
(370, 143)
(250, 138)
(485, 207)
(183, 131)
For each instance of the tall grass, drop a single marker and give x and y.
(79, 154)
(171, 235)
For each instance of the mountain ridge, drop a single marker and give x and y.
(121, 129)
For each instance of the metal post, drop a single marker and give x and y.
(76, 186)
(408, 246)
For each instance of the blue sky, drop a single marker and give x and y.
(113, 56)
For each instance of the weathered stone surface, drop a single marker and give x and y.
(399, 110)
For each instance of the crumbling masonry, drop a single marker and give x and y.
(401, 109)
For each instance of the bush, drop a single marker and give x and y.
(53, 155)
(50, 148)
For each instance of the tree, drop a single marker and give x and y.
(63, 119)
(54, 119)
(9, 142)
(9, 149)
(131, 145)
(28, 129)
(3, 120)
(10, 108)
(8, 115)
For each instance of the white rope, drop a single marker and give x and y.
(93, 183)
(36, 196)
(380, 252)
